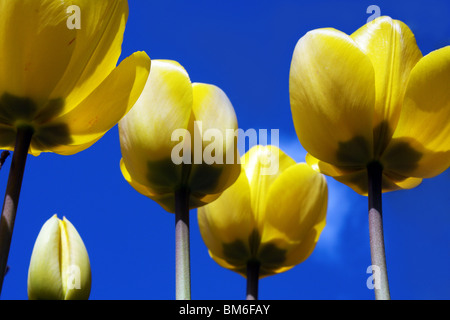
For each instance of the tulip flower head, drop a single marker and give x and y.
(372, 97)
(59, 267)
(62, 83)
(274, 220)
(372, 112)
(161, 137)
(60, 88)
(163, 146)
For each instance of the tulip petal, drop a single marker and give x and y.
(295, 215)
(165, 200)
(100, 111)
(240, 267)
(212, 107)
(97, 48)
(37, 147)
(43, 58)
(329, 169)
(356, 177)
(392, 48)
(332, 94)
(215, 156)
(34, 47)
(146, 144)
(44, 274)
(227, 232)
(166, 98)
(144, 190)
(75, 265)
(420, 146)
(399, 182)
(263, 164)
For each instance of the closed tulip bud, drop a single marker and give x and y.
(272, 220)
(179, 135)
(59, 267)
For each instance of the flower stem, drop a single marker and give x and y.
(12, 193)
(252, 280)
(379, 269)
(182, 254)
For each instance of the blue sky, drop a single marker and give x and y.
(244, 47)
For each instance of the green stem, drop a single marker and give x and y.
(12, 193)
(377, 251)
(182, 254)
(252, 280)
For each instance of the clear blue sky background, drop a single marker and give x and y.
(244, 47)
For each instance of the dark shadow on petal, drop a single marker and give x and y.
(382, 134)
(396, 155)
(51, 109)
(401, 155)
(7, 137)
(16, 111)
(207, 178)
(163, 176)
(354, 151)
(236, 252)
(52, 135)
(271, 256)
(14, 108)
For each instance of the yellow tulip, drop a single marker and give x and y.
(274, 220)
(62, 83)
(176, 148)
(59, 267)
(372, 112)
(169, 119)
(60, 89)
(372, 97)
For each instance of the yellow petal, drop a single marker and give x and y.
(294, 217)
(226, 230)
(421, 142)
(167, 100)
(329, 169)
(392, 48)
(37, 147)
(332, 92)
(263, 164)
(34, 47)
(399, 182)
(97, 47)
(214, 118)
(240, 268)
(356, 177)
(165, 200)
(146, 131)
(212, 107)
(75, 265)
(100, 111)
(42, 58)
